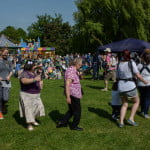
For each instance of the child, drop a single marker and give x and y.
(115, 102)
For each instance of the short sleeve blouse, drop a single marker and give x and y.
(32, 88)
(75, 86)
(124, 72)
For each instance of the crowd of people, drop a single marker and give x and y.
(52, 67)
(129, 75)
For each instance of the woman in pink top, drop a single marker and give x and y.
(73, 95)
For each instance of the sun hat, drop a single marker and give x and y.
(107, 50)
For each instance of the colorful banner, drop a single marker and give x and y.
(38, 49)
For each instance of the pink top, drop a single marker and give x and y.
(75, 86)
(108, 59)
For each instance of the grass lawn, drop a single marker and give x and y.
(100, 132)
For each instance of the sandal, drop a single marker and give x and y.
(104, 90)
(146, 116)
(132, 123)
(121, 125)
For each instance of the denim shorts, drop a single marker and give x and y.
(129, 94)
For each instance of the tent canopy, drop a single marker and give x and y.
(4, 42)
(134, 45)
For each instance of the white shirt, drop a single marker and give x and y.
(145, 74)
(113, 61)
(124, 72)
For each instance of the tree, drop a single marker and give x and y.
(37, 29)
(21, 33)
(86, 29)
(52, 32)
(14, 34)
(104, 21)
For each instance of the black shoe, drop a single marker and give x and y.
(59, 125)
(4, 109)
(77, 128)
(114, 117)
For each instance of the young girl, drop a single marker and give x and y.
(115, 102)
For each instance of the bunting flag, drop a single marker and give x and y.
(38, 49)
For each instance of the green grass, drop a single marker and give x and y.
(100, 132)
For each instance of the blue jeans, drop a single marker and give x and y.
(144, 98)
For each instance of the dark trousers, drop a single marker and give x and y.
(74, 110)
(4, 95)
(144, 98)
(116, 110)
(95, 71)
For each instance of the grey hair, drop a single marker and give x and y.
(76, 61)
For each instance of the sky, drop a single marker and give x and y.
(22, 13)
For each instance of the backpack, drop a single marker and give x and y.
(144, 67)
(133, 78)
(131, 68)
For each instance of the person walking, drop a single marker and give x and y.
(144, 90)
(5, 84)
(73, 94)
(110, 68)
(126, 70)
(30, 104)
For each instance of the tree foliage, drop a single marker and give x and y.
(14, 34)
(52, 32)
(104, 21)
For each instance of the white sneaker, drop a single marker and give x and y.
(30, 127)
(35, 124)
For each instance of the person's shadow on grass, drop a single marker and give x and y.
(62, 86)
(55, 116)
(94, 87)
(101, 113)
(19, 120)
